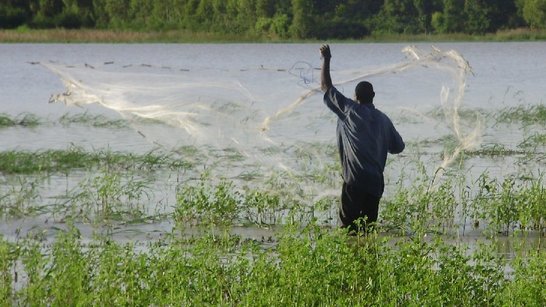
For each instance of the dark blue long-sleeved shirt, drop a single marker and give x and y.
(365, 136)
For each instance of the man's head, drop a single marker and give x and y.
(364, 92)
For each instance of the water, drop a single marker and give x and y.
(503, 75)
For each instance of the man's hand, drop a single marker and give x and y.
(325, 79)
(325, 52)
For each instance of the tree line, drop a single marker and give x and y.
(319, 19)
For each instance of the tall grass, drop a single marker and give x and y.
(499, 206)
(524, 114)
(76, 158)
(92, 120)
(308, 262)
(23, 119)
(118, 186)
(113, 36)
(185, 36)
(307, 266)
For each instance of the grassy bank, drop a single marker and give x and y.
(113, 36)
(25, 35)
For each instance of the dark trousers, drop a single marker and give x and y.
(355, 204)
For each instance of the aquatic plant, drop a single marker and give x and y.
(525, 114)
(23, 119)
(262, 207)
(510, 203)
(307, 266)
(206, 204)
(8, 256)
(533, 142)
(526, 288)
(107, 196)
(19, 196)
(494, 150)
(76, 158)
(94, 120)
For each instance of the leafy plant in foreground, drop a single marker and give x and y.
(204, 204)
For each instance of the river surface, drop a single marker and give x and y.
(502, 75)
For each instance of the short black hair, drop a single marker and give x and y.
(364, 92)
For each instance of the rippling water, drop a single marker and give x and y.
(503, 75)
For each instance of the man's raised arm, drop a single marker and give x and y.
(325, 78)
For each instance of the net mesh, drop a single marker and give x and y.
(269, 116)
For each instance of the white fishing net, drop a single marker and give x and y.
(267, 115)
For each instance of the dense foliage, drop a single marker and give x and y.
(279, 19)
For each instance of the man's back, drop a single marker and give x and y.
(365, 136)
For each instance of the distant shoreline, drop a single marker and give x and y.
(183, 36)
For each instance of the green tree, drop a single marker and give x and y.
(75, 14)
(265, 8)
(477, 17)
(341, 19)
(144, 16)
(273, 19)
(302, 18)
(14, 13)
(425, 9)
(204, 15)
(46, 10)
(451, 19)
(534, 13)
(246, 15)
(398, 16)
(505, 14)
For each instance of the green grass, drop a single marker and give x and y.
(524, 114)
(307, 262)
(76, 158)
(183, 36)
(306, 267)
(31, 120)
(534, 141)
(98, 120)
(113, 36)
(119, 186)
(22, 120)
(495, 150)
(412, 260)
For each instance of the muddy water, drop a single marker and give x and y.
(503, 75)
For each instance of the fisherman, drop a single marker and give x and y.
(364, 136)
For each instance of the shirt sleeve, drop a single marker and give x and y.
(336, 102)
(397, 144)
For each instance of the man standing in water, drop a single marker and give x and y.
(365, 135)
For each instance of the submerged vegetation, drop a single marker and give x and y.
(76, 158)
(525, 114)
(267, 238)
(23, 120)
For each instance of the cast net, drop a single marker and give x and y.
(267, 118)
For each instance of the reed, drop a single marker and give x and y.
(25, 35)
(115, 36)
(20, 197)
